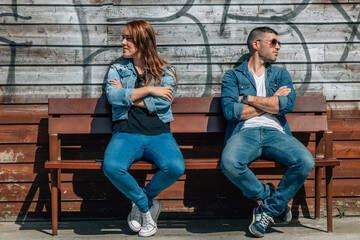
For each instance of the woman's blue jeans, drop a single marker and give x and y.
(250, 144)
(126, 148)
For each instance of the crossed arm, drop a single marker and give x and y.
(257, 106)
(138, 94)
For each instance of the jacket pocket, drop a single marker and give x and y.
(243, 88)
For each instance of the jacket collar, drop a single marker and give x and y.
(244, 67)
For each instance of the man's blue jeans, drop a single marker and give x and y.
(250, 144)
(126, 148)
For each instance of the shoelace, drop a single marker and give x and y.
(265, 219)
(148, 222)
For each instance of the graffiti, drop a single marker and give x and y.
(268, 15)
(14, 12)
(9, 88)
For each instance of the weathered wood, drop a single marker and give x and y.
(344, 110)
(14, 114)
(106, 14)
(187, 73)
(169, 34)
(78, 55)
(62, 49)
(21, 133)
(40, 94)
(23, 153)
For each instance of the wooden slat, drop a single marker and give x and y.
(181, 124)
(180, 105)
(189, 164)
(79, 106)
(79, 125)
(15, 114)
(18, 173)
(307, 123)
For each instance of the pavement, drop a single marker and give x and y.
(347, 227)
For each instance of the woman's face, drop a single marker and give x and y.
(129, 48)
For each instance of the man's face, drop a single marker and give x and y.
(269, 47)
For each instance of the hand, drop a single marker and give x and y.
(116, 82)
(165, 92)
(282, 91)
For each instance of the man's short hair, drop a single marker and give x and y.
(255, 33)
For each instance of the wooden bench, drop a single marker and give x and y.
(197, 115)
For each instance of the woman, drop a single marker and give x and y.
(140, 91)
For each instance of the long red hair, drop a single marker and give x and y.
(144, 39)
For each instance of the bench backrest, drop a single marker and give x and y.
(191, 114)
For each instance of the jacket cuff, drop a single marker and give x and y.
(283, 100)
(238, 108)
(128, 93)
(150, 104)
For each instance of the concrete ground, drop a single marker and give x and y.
(209, 229)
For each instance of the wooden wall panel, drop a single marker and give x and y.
(47, 48)
(61, 49)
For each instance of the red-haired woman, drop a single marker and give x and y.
(141, 91)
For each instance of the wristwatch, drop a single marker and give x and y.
(244, 99)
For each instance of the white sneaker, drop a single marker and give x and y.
(155, 210)
(134, 218)
(148, 227)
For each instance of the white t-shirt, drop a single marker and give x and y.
(267, 119)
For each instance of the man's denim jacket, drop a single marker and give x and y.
(238, 81)
(119, 98)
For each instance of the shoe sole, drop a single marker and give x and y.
(132, 227)
(252, 222)
(148, 234)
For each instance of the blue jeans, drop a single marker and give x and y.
(250, 144)
(126, 148)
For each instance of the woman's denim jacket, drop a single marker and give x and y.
(238, 81)
(119, 98)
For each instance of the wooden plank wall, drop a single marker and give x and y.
(64, 48)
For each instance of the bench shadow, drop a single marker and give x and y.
(37, 205)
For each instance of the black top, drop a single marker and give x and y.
(140, 120)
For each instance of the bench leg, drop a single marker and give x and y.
(54, 200)
(329, 197)
(318, 176)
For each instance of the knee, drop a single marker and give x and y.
(112, 170)
(176, 168)
(230, 165)
(306, 164)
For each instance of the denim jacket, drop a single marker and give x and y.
(119, 98)
(238, 82)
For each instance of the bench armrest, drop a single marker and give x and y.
(329, 146)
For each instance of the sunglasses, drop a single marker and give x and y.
(273, 42)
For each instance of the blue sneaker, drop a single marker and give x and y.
(260, 221)
(286, 216)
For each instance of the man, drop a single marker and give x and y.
(255, 96)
